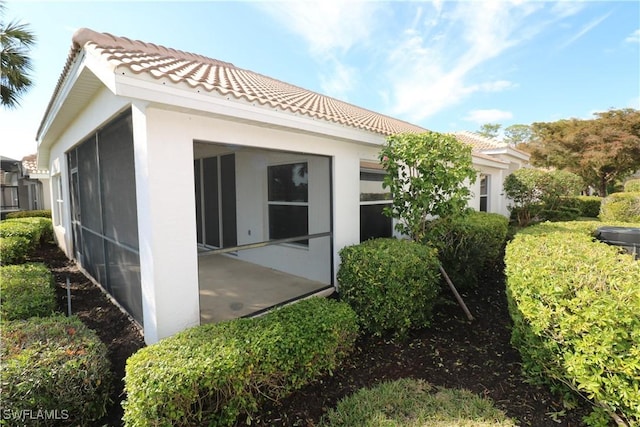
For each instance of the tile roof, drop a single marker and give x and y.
(478, 142)
(226, 79)
(30, 165)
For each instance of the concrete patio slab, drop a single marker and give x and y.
(230, 288)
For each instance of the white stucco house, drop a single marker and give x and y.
(182, 184)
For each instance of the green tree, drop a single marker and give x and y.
(602, 150)
(428, 176)
(16, 41)
(517, 134)
(490, 130)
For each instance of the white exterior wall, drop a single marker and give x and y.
(312, 262)
(166, 225)
(496, 202)
(251, 176)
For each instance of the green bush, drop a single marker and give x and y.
(44, 227)
(14, 249)
(391, 284)
(575, 306)
(589, 206)
(26, 290)
(632, 186)
(55, 365)
(414, 403)
(210, 374)
(30, 214)
(468, 244)
(624, 207)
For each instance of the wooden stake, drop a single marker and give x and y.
(455, 292)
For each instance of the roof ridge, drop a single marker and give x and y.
(83, 36)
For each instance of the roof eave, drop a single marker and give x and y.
(184, 98)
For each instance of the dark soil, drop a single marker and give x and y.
(452, 353)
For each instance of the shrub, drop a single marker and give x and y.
(26, 290)
(44, 227)
(55, 365)
(414, 403)
(468, 244)
(589, 206)
(30, 214)
(210, 374)
(624, 207)
(632, 186)
(14, 249)
(575, 306)
(533, 191)
(391, 284)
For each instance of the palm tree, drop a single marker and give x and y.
(16, 40)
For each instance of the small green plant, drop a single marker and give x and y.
(414, 403)
(54, 364)
(211, 374)
(26, 290)
(632, 186)
(427, 175)
(35, 230)
(468, 244)
(575, 307)
(623, 207)
(391, 284)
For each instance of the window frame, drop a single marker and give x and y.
(297, 244)
(386, 201)
(59, 199)
(484, 196)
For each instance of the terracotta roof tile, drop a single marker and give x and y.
(478, 142)
(226, 79)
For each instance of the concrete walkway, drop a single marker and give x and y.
(230, 288)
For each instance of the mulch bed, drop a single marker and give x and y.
(452, 353)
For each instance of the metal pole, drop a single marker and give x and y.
(68, 297)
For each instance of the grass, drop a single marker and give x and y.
(414, 403)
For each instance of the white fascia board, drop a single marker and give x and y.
(507, 151)
(184, 98)
(82, 62)
(71, 77)
(481, 161)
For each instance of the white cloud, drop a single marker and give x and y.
(488, 116)
(590, 26)
(428, 75)
(633, 37)
(327, 25)
(339, 82)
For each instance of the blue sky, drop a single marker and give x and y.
(444, 65)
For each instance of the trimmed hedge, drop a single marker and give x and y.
(632, 186)
(30, 214)
(14, 249)
(26, 290)
(54, 365)
(589, 206)
(468, 244)
(624, 207)
(392, 285)
(210, 374)
(575, 305)
(43, 226)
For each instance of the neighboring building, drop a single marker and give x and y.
(182, 183)
(23, 185)
(500, 160)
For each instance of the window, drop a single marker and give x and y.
(288, 199)
(57, 189)
(373, 199)
(484, 193)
